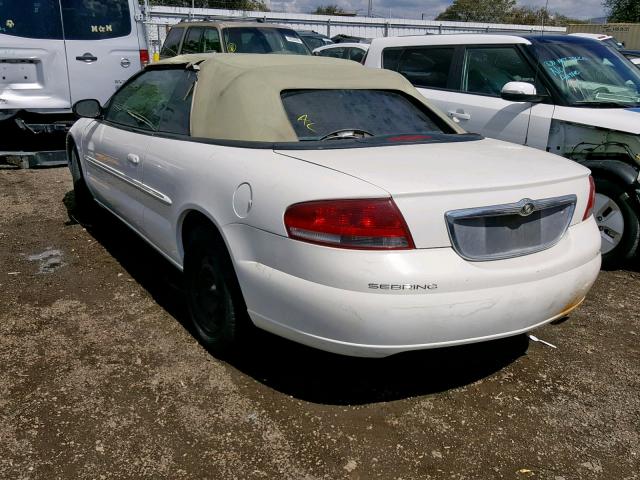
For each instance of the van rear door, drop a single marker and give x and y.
(103, 48)
(33, 64)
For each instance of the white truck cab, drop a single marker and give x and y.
(568, 95)
(56, 52)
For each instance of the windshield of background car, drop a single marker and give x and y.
(315, 114)
(263, 40)
(590, 74)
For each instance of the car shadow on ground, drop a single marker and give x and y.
(303, 372)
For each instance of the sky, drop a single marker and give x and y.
(582, 9)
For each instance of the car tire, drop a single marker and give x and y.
(214, 298)
(616, 214)
(84, 204)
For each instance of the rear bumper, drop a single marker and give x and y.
(320, 297)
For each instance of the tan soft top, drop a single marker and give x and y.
(237, 96)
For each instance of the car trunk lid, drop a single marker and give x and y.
(427, 181)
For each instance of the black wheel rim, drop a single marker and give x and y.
(209, 299)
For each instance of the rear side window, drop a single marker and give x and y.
(210, 41)
(314, 114)
(141, 102)
(423, 67)
(31, 19)
(191, 42)
(172, 42)
(95, 20)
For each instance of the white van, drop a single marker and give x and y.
(565, 94)
(56, 52)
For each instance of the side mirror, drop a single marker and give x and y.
(520, 92)
(89, 108)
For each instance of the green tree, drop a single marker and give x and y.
(538, 16)
(493, 11)
(623, 10)
(502, 11)
(329, 10)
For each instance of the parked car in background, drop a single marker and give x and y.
(314, 39)
(633, 55)
(334, 205)
(568, 95)
(343, 38)
(55, 52)
(348, 51)
(608, 40)
(231, 37)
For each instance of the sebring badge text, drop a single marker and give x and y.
(403, 286)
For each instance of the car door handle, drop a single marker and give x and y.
(133, 158)
(460, 115)
(87, 57)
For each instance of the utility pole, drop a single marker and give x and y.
(370, 9)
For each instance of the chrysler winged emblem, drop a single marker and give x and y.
(527, 209)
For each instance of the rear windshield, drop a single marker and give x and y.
(335, 114)
(263, 40)
(82, 19)
(31, 19)
(93, 20)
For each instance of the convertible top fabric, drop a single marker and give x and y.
(237, 96)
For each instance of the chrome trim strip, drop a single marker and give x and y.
(130, 181)
(509, 209)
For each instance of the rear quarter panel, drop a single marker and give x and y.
(205, 178)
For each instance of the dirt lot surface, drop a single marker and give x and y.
(101, 379)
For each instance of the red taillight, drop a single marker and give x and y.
(144, 57)
(374, 224)
(592, 199)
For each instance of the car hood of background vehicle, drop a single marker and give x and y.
(619, 119)
(446, 167)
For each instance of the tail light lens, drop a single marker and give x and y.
(592, 199)
(144, 57)
(373, 224)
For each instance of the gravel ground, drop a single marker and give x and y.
(101, 378)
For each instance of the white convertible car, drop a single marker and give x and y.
(332, 205)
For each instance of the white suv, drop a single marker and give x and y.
(56, 52)
(568, 95)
